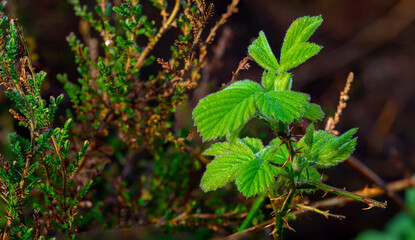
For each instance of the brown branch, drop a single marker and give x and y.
(154, 41)
(333, 202)
(369, 174)
(230, 10)
(243, 65)
(197, 154)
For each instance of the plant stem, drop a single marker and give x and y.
(254, 209)
(280, 215)
(153, 41)
(341, 192)
(326, 213)
(63, 165)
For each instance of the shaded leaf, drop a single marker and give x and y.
(314, 112)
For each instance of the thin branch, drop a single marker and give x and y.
(154, 41)
(243, 65)
(369, 174)
(333, 202)
(340, 192)
(326, 213)
(230, 10)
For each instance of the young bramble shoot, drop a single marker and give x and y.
(284, 167)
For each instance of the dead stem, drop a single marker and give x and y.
(331, 122)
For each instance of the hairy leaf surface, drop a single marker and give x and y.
(314, 112)
(226, 110)
(256, 176)
(295, 49)
(327, 149)
(262, 53)
(240, 161)
(285, 106)
(297, 55)
(268, 80)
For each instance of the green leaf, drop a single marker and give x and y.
(275, 154)
(256, 176)
(254, 144)
(261, 52)
(225, 111)
(297, 55)
(222, 170)
(243, 146)
(309, 136)
(328, 150)
(295, 49)
(283, 82)
(229, 158)
(314, 112)
(268, 80)
(299, 32)
(285, 106)
(240, 161)
(310, 174)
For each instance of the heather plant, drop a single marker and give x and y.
(42, 162)
(288, 166)
(126, 96)
(124, 102)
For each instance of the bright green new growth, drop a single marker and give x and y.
(227, 111)
(286, 164)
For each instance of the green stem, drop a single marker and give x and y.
(280, 215)
(341, 192)
(254, 209)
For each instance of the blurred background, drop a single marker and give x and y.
(373, 39)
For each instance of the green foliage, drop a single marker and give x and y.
(42, 161)
(240, 162)
(226, 110)
(262, 53)
(295, 49)
(125, 101)
(284, 168)
(324, 149)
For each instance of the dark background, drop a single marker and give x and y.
(374, 39)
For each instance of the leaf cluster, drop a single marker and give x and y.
(127, 94)
(41, 161)
(281, 168)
